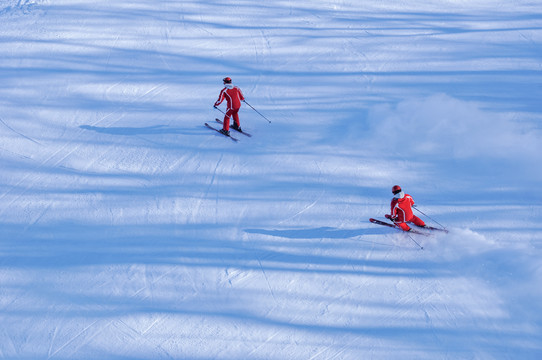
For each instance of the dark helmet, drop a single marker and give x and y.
(396, 189)
(227, 80)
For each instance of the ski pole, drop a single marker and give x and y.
(269, 121)
(219, 110)
(429, 217)
(415, 242)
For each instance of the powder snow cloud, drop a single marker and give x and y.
(443, 126)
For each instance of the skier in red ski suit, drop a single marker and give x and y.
(233, 96)
(401, 210)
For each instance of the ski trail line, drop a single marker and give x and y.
(19, 133)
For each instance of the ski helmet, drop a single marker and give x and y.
(227, 80)
(396, 189)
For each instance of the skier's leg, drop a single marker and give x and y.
(226, 125)
(417, 221)
(236, 117)
(400, 220)
(403, 226)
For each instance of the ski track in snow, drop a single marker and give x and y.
(129, 231)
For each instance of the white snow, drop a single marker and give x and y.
(130, 231)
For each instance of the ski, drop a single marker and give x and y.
(412, 231)
(242, 132)
(378, 222)
(434, 228)
(218, 131)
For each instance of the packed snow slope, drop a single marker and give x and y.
(131, 231)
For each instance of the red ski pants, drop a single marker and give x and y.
(403, 224)
(233, 113)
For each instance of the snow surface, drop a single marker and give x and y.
(130, 231)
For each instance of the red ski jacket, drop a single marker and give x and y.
(233, 96)
(401, 208)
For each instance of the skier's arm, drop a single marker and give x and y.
(392, 210)
(220, 99)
